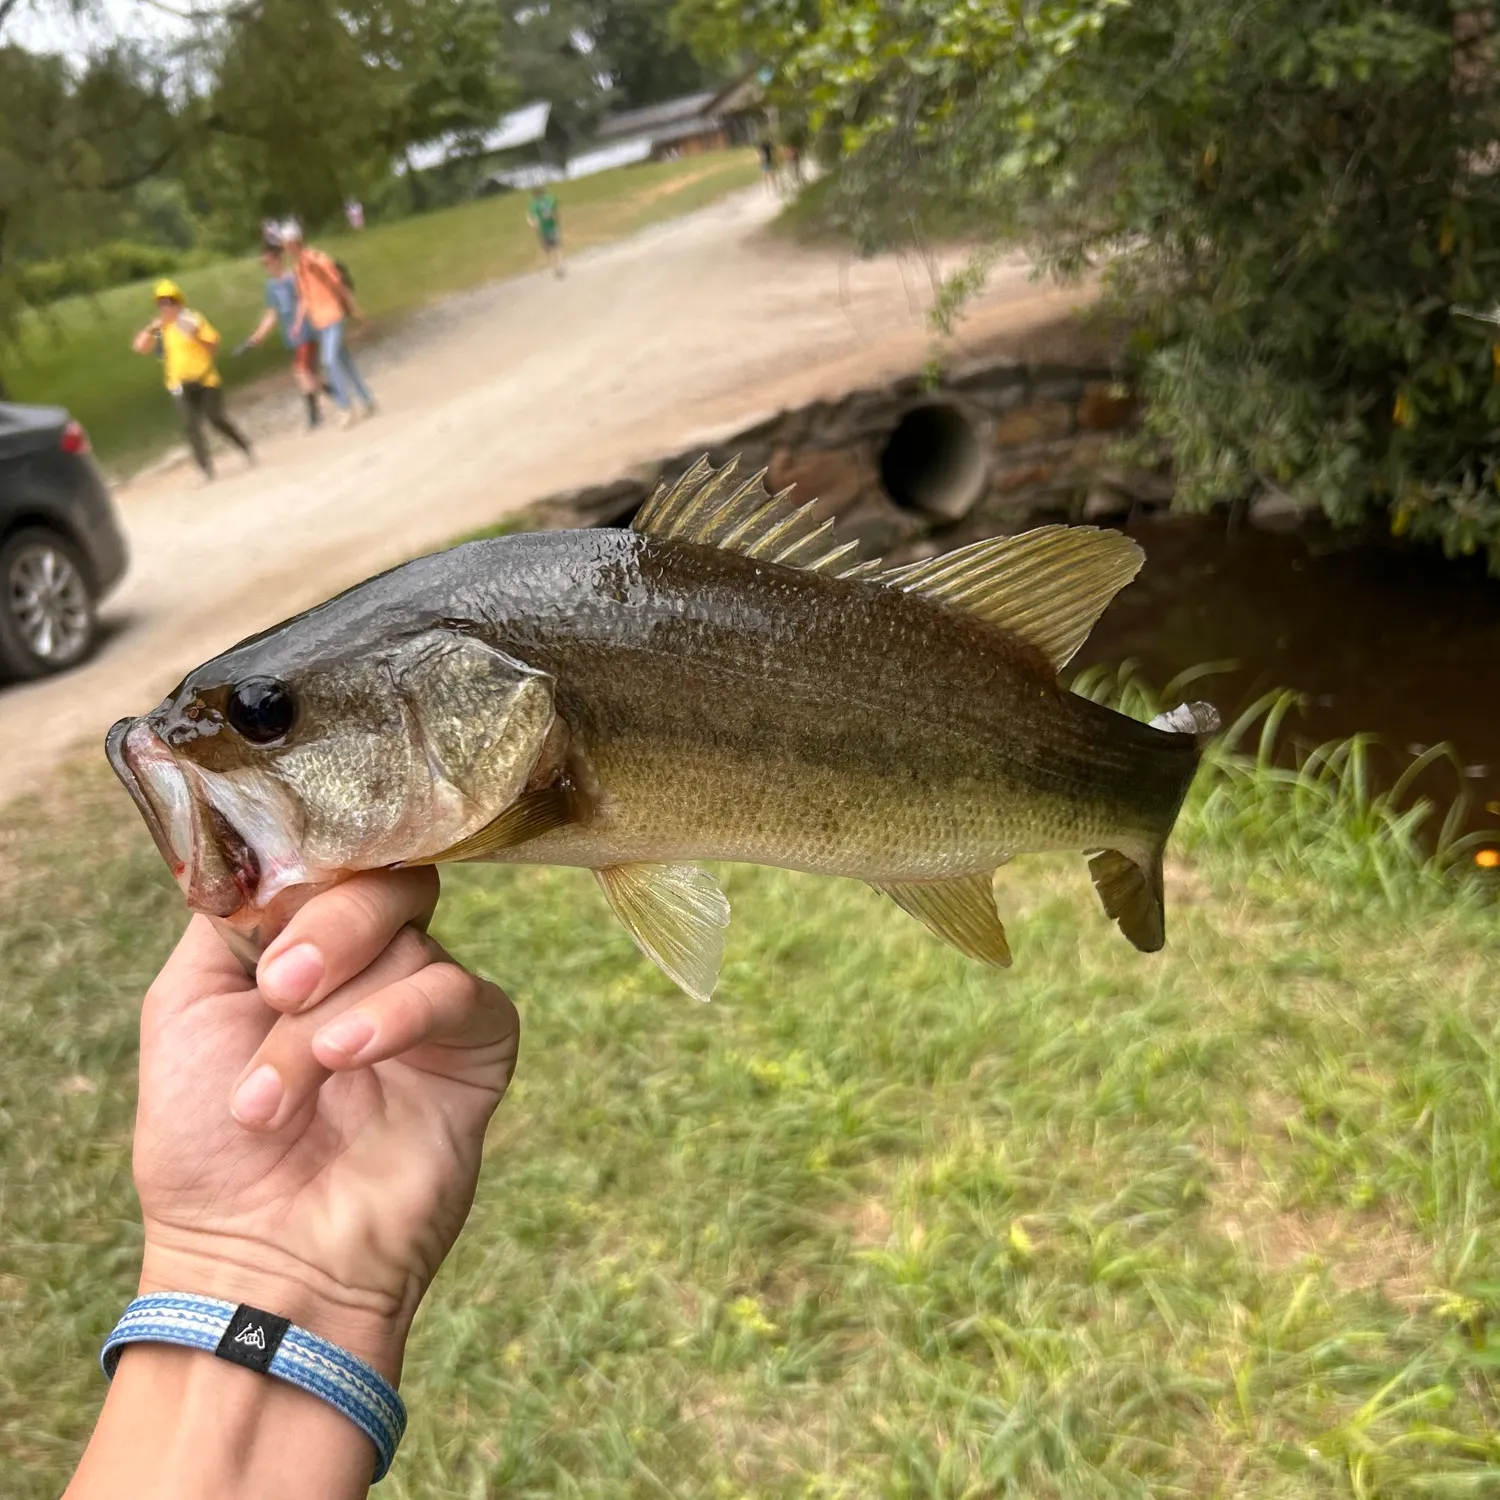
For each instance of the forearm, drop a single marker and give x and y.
(179, 1424)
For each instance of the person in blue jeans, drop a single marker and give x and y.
(281, 307)
(324, 303)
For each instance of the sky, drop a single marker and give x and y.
(46, 25)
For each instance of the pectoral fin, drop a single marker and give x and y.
(676, 915)
(529, 816)
(961, 912)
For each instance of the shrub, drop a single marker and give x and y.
(112, 264)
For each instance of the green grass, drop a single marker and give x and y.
(879, 1222)
(78, 354)
(820, 214)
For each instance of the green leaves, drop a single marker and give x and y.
(1289, 197)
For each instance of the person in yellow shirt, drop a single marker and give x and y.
(188, 346)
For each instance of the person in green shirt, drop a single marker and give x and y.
(541, 214)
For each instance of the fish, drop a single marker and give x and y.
(721, 681)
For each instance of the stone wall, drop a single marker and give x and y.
(1041, 436)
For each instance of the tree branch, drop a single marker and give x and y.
(139, 175)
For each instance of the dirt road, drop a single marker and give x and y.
(496, 397)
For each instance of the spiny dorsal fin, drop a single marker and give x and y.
(711, 509)
(676, 915)
(1047, 585)
(960, 911)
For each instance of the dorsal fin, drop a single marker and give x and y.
(1047, 585)
(713, 510)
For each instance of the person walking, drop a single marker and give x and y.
(325, 300)
(188, 346)
(281, 308)
(542, 215)
(766, 148)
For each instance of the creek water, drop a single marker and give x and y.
(1401, 642)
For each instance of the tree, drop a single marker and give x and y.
(313, 100)
(74, 142)
(645, 61)
(551, 52)
(1289, 199)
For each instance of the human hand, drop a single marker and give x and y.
(337, 1180)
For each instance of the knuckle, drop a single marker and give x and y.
(448, 987)
(409, 949)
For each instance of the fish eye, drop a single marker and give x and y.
(261, 710)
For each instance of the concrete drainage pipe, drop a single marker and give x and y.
(934, 462)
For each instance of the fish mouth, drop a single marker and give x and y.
(213, 863)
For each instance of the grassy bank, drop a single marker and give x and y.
(77, 353)
(820, 213)
(878, 1221)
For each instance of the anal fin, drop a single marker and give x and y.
(676, 915)
(1132, 896)
(530, 816)
(960, 911)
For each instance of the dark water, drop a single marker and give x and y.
(1403, 643)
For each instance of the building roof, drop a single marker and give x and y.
(655, 118)
(747, 94)
(521, 127)
(585, 164)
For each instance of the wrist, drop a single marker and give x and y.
(180, 1422)
(371, 1325)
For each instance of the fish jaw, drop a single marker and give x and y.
(230, 850)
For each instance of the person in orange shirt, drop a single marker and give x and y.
(324, 302)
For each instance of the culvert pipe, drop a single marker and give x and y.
(934, 461)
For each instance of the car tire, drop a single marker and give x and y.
(48, 616)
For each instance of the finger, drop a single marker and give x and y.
(440, 1006)
(341, 932)
(284, 1076)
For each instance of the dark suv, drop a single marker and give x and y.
(61, 548)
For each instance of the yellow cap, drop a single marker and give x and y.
(167, 289)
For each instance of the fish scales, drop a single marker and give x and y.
(799, 720)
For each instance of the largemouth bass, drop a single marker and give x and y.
(720, 682)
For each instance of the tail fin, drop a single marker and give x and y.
(1201, 720)
(1131, 892)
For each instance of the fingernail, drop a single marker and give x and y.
(291, 977)
(348, 1036)
(258, 1098)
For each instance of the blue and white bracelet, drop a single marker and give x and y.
(272, 1345)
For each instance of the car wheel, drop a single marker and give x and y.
(47, 618)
